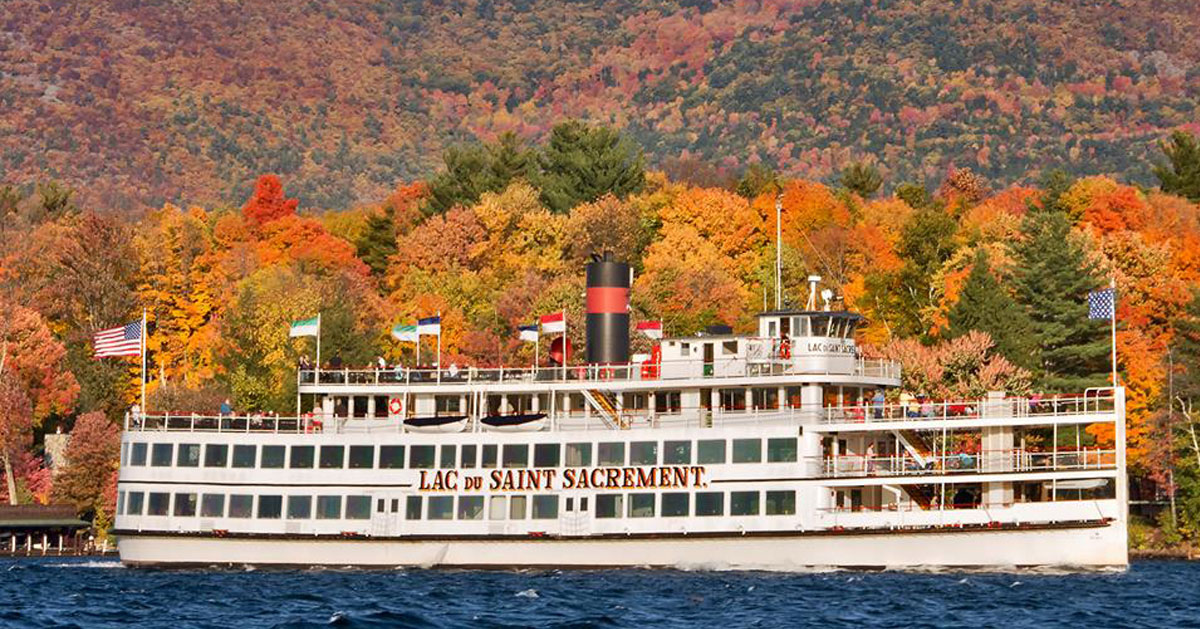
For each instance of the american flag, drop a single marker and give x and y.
(125, 340)
(1101, 303)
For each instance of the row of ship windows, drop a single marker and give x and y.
(544, 507)
(707, 451)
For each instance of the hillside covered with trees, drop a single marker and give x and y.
(134, 104)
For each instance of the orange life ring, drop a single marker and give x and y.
(395, 406)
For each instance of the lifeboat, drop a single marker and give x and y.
(440, 423)
(520, 422)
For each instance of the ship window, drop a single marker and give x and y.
(137, 454)
(641, 505)
(820, 326)
(358, 507)
(800, 326)
(421, 457)
(517, 506)
(329, 507)
(362, 457)
(765, 397)
(771, 328)
(747, 450)
(381, 505)
(668, 402)
(497, 508)
(710, 451)
(781, 450)
(449, 456)
(545, 507)
(412, 508)
(120, 503)
(516, 455)
(677, 453)
(781, 503)
(468, 454)
(470, 507)
(733, 399)
(643, 453)
(212, 506)
(189, 455)
(546, 455)
(299, 507)
(685, 349)
(158, 504)
(674, 504)
(185, 505)
(160, 454)
(135, 503)
(489, 456)
(579, 455)
(611, 453)
(743, 503)
(728, 348)
(609, 505)
(244, 456)
(446, 404)
(391, 457)
(395, 505)
(241, 505)
(272, 456)
(441, 508)
(270, 507)
(333, 457)
(710, 503)
(216, 455)
(302, 457)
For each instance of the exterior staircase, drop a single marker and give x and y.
(920, 494)
(916, 445)
(607, 406)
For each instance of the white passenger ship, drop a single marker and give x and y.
(722, 451)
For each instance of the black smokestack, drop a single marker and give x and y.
(607, 311)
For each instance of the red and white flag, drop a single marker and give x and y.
(652, 329)
(125, 340)
(554, 323)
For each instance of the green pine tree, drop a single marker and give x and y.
(1053, 278)
(985, 305)
(926, 243)
(581, 164)
(1182, 175)
(1186, 350)
(862, 179)
(466, 176)
(510, 160)
(377, 243)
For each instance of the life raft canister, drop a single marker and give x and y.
(395, 406)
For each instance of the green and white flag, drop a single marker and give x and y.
(307, 327)
(407, 333)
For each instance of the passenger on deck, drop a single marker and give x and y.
(226, 408)
(877, 404)
(380, 363)
(906, 404)
(926, 407)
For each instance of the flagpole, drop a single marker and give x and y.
(565, 342)
(143, 361)
(439, 347)
(318, 347)
(1112, 285)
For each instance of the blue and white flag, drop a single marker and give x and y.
(405, 333)
(529, 333)
(430, 325)
(1101, 303)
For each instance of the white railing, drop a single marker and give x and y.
(1094, 402)
(985, 462)
(632, 372)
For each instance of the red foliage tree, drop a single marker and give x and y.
(268, 202)
(92, 456)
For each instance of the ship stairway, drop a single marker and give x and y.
(920, 494)
(916, 446)
(607, 406)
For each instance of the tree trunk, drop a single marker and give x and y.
(8, 476)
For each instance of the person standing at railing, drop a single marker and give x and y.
(926, 406)
(226, 408)
(877, 404)
(906, 404)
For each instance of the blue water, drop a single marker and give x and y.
(100, 593)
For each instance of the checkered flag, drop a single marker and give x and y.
(1101, 303)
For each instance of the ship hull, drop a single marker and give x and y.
(1095, 545)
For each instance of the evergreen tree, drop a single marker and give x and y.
(1182, 175)
(756, 180)
(581, 164)
(510, 160)
(985, 305)
(927, 242)
(914, 194)
(861, 179)
(467, 175)
(1187, 350)
(377, 244)
(1053, 280)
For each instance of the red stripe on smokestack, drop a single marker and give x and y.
(607, 299)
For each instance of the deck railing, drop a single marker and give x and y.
(719, 368)
(984, 462)
(1101, 402)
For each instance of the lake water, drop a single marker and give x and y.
(100, 593)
